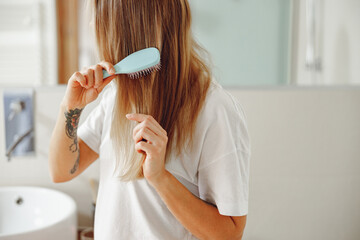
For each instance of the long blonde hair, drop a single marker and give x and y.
(174, 95)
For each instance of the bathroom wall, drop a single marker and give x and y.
(305, 168)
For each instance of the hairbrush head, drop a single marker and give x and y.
(144, 72)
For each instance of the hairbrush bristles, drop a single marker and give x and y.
(144, 72)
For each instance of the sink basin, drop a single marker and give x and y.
(36, 213)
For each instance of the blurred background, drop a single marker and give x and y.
(252, 43)
(294, 66)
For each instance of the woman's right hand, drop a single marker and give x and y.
(85, 86)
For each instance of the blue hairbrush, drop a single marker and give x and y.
(138, 64)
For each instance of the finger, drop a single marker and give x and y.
(146, 134)
(137, 117)
(108, 67)
(144, 147)
(98, 75)
(147, 125)
(90, 77)
(152, 123)
(105, 82)
(78, 77)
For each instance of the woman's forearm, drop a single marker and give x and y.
(201, 219)
(64, 151)
(64, 155)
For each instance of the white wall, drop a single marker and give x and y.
(305, 168)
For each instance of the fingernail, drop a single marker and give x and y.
(113, 71)
(128, 115)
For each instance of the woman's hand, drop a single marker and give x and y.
(150, 138)
(85, 86)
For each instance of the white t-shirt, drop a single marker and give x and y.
(217, 171)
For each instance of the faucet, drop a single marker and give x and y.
(16, 142)
(19, 121)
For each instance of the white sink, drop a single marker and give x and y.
(36, 213)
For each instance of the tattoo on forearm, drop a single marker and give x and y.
(72, 122)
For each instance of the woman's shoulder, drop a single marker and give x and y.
(220, 101)
(221, 126)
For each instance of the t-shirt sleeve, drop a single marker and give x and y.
(91, 129)
(223, 173)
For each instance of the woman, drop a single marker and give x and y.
(173, 146)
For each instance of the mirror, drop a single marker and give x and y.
(252, 42)
(281, 42)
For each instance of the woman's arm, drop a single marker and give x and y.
(69, 155)
(201, 219)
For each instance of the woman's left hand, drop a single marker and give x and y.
(150, 138)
